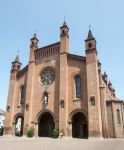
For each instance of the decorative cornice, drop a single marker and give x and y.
(48, 46)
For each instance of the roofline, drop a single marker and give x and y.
(76, 57)
(57, 43)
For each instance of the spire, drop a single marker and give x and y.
(16, 65)
(90, 42)
(64, 25)
(17, 58)
(34, 40)
(34, 37)
(90, 35)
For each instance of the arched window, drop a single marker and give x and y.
(118, 117)
(78, 86)
(22, 95)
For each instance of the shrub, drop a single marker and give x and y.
(55, 133)
(30, 132)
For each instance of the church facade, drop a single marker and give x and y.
(65, 91)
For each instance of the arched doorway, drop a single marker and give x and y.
(79, 126)
(46, 125)
(19, 122)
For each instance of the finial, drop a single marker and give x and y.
(90, 35)
(64, 18)
(18, 53)
(17, 58)
(89, 27)
(64, 23)
(35, 35)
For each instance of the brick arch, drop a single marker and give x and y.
(74, 74)
(41, 113)
(17, 115)
(77, 111)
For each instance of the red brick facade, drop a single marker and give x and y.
(91, 111)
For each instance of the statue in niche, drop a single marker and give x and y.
(45, 98)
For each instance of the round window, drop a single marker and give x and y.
(48, 76)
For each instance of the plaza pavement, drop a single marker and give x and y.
(24, 143)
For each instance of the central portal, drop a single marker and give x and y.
(46, 125)
(79, 126)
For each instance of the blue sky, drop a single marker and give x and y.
(20, 18)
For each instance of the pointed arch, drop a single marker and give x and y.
(18, 114)
(41, 113)
(76, 111)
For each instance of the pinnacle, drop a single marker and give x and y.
(64, 23)
(35, 35)
(90, 35)
(17, 58)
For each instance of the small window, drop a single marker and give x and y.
(63, 31)
(90, 46)
(13, 66)
(118, 117)
(18, 67)
(78, 86)
(22, 95)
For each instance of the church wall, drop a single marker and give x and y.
(76, 67)
(110, 121)
(115, 128)
(39, 89)
(111, 127)
(14, 102)
(21, 81)
(118, 126)
(97, 101)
